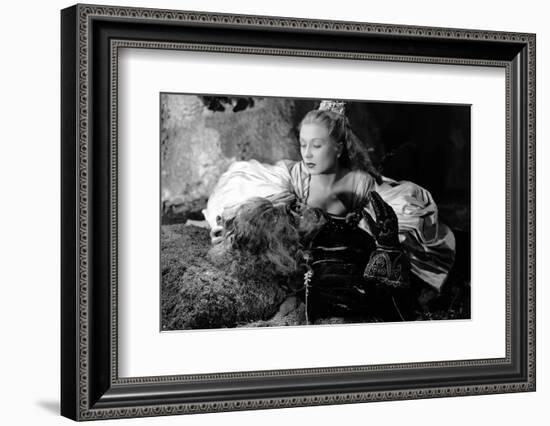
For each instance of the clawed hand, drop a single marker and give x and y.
(388, 265)
(385, 228)
(216, 234)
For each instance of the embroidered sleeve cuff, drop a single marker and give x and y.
(388, 267)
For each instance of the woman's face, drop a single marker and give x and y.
(318, 149)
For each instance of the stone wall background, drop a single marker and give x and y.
(198, 144)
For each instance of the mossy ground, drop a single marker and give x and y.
(197, 293)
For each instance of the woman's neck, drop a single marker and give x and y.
(327, 180)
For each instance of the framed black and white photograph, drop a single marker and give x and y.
(263, 212)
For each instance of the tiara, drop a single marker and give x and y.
(338, 107)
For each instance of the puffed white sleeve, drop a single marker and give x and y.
(245, 180)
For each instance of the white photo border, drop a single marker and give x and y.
(169, 361)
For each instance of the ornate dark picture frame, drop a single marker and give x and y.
(90, 385)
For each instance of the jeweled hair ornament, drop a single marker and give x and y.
(338, 107)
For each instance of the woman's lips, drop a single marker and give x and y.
(310, 165)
